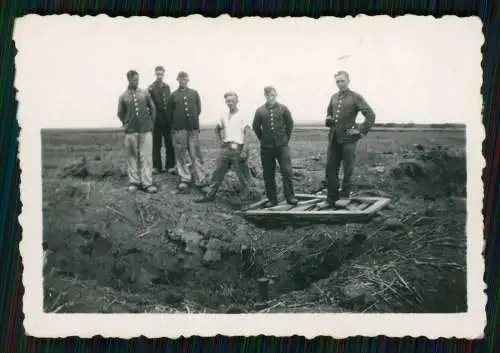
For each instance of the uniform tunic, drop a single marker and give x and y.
(160, 92)
(134, 111)
(273, 125)
(184, 108)
(343, 109)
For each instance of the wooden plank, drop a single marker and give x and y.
(256, 205)
(281, 207)
(322, 205)
(319, 216)
(352, 207)
(342, 202)
(302, 206)
(309, 196)
(364, 205)
(284, 206)
(381, 203)
(334, 212)
(313, 209)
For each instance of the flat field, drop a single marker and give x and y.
(113, 251)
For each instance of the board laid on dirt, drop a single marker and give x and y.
(313, 207)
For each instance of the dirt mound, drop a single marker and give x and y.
(122, 252)
(97, 168)
(435, 173)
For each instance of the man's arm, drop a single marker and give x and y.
(257, 124)
(152, 107)
(198, 101)
(218, 134)
(122, 109)
(170, 107)
(367, 112)
(288, 122)
(246, 140)
(329, 114)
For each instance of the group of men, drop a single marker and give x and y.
(157, 116)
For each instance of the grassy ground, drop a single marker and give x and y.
(112, 251)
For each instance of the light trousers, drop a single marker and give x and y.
(188, 157)
(138, 148)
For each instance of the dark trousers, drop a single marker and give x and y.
(268, 157)
(162, 134)
(338, 153)
(229, 158)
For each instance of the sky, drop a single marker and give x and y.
(71, 69)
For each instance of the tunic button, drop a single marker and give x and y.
(185, 103)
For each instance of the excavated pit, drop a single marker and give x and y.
(166, 253)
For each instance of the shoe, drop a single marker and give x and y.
(270, 203)
(132, 188)
(331, 204)
(156, 171)
(205, 199)
(182, 186)
(172, 171)
(151, 189)
(293, 202)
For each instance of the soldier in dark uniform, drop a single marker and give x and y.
(160, 91)
(342, 110)
(183, 110)
(273, 125)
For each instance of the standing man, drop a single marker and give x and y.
(160, 91)
(344, 133)
(137, 113)
(232, 133)
(273, 125)
(183, 109)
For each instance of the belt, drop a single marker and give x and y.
(232, 145)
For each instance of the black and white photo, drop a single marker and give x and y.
(203, 176)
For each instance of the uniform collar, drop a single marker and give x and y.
(344, 93)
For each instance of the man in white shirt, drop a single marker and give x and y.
(232, 132)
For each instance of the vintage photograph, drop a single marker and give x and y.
(251, 166)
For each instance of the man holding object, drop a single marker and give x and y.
(344, 133)
(137, 113)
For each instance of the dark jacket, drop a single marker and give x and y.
(273, 125)
(160, 91)
(136, 111)
(183, 109)
(342, 111)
